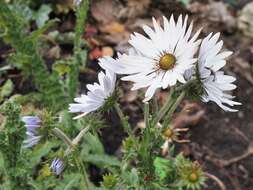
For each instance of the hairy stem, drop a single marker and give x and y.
(172, 109)
(58, 133)
(82, 170)
(164, 109)
(123, 119)
(146, 114)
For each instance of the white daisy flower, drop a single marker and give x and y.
(160, 60)
(97, 95)
(77, 2)
(215, 83)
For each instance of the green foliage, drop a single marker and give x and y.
(30, 168)
(6, 89)
(190, 173)
(185, 2)
(109, 181)
(26, 48)
(11, 139)
(40, 16)
(79, 54)
(163, 168)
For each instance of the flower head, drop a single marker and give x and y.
(190, 173)
(97, 95)
(215, 83)
(160, 60)
(171, 134)
(110, 181)
(77, 2)
(57, 166)
(32, 123)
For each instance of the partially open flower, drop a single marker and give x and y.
(110, 181)
(161, 59)
(32, 123)
(172, 134)
(57, 166)
(214, 82)
(191, 173)
(98, 95)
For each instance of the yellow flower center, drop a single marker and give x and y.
(193, 177)
(168, 133)
(167, 62)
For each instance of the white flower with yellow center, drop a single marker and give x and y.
(161, 58)
(97, 95)
(216, 85)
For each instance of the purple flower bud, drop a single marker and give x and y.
(57, 166)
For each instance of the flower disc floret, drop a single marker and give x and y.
(167, 62)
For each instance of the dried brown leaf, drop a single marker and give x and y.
(245, 20)
(190, 115)
(107, 51)
(244, 68)
(113, 28)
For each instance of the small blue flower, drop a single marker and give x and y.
(32, 123)
(57, 166)
(31, 140)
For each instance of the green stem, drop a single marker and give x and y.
(82, 170)
(155, 105)
(173, 108)
(186, 85)
(164, 109)
(147, 143)
(58, 133)
(123, 119)
(81, 16)
(146, 114)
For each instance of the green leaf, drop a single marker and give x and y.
(42, 15)
(37, 33)
(6, 89)
(101, 160)
(40, 151)
(131, 178)
(61, 67)
(94, 144)
(162, 167)
(71, 182)
(184, 2)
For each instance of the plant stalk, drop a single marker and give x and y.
(172, 109)
(82, 170)
(164, 109)
(123, 119)
(146, 114)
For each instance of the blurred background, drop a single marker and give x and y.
(221, 142)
